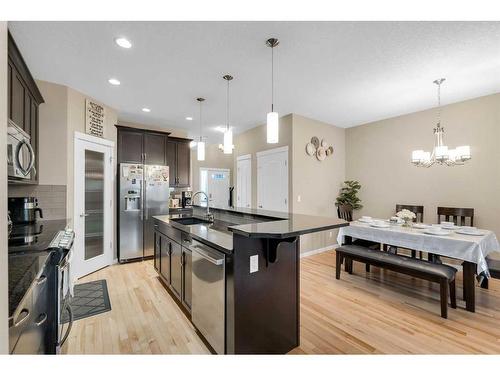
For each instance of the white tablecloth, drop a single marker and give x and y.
(459, 246)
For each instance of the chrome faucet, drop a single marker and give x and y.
(208, 215)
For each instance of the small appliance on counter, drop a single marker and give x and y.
(174, 203)
(186, 199)
(23, 210)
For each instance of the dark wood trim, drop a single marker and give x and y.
(177, 139)
(18, 61)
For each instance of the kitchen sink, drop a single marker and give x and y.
(190, 221)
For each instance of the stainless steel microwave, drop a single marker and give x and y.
(20, 154)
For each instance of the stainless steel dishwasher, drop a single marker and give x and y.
(208, 288)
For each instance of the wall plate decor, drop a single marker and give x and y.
(321, 153)
(318, 148)
(310, 149)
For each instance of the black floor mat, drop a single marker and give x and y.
(90, 299)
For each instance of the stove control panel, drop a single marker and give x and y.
(63, 240)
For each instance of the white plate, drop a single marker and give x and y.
(421, 226)
(365, 221)
(451, 228)
(440, 233)
(380, 225)
(478, 232)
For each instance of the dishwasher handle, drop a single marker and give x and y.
(206, 255)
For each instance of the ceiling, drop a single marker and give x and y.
(342, 73)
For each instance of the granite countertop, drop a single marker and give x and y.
(286, 224)
(219, 238)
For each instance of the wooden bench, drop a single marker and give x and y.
(439, 273)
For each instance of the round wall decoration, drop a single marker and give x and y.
(315, 141)
(321, 154)
(318, 148)
(310, 149)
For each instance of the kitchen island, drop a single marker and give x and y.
(237, 277)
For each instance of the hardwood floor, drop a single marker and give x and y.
(363, 313)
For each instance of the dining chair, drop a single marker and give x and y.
(344, 211)
(417, 210)
(419, 218)
(454, 214)
(494, 268)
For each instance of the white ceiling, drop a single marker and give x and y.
(342, 73)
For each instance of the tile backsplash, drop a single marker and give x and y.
(51, 198)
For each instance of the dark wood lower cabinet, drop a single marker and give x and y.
(187, 266)
(176, 268)
(173, 263)
(164, 257)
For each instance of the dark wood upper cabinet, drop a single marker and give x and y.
(183, 164)
(130, 146)
(179, 161)
(154, 148)
(24, 98)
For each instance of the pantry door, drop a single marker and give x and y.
(93, 205)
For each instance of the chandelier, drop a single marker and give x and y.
(441, 154)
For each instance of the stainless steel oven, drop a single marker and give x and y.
(20, 154)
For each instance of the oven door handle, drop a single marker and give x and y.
(25, 171)
(70, 325)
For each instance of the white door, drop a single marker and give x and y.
(272, 179)
(93, 204)
(244, 181)
(215, 182)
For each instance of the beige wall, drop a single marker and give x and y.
(253, 141)
(4, 300)
(214, 158)
(317, 183)
(53, 134)
(378, 155)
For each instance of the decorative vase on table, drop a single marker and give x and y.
(407, 216)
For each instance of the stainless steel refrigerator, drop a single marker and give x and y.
(144, 193)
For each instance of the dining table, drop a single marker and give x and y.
(472, 250)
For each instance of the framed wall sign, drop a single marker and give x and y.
(94, 118)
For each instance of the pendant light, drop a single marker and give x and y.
(228, 133)
(272, 117)
(201, 145)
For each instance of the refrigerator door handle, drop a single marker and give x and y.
(142, 200)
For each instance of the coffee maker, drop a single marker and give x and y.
(23, 210)
(186, 199)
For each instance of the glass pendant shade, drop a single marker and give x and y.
(228, 142)
(201, 151)
(272, 127)
(463, 153)
(417, 156)
(441, 152)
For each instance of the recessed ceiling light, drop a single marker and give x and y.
(123, 42)
(146, 109)
(189, 118)
(221, 129)
(114, 81)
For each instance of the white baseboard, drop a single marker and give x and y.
(318, 251)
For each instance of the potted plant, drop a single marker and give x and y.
(348, 195)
